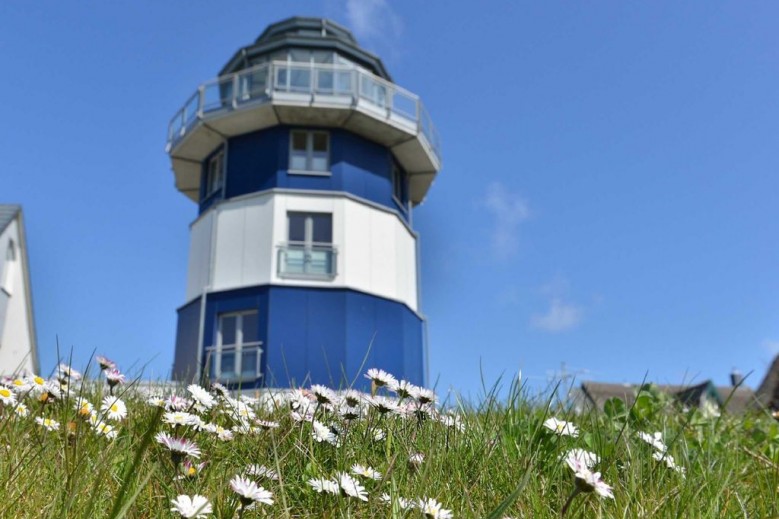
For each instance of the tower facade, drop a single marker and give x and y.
(305, 161)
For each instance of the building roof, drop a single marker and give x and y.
(7, 214)
(768, 392)
(306, 33)
(734, 399)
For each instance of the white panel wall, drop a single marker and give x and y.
(16, 343)
(199, 270)
(376, 251)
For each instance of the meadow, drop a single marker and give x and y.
(111, 447)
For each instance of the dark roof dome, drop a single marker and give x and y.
(306, 33)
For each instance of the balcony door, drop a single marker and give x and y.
(309, 250)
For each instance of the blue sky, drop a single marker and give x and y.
(609, 198)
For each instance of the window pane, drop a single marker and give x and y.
(250, 327)
(295, 260)
(320, 141)
(319, 262)
(323, 228)
(343, 82)
(324, 80)
(227, 328)
(282, 77)
(300, 80)
(319, 162)
(249, 364)
(297, 226)
(228, 365)
(300, 55)
(323, 56)
(299, 141)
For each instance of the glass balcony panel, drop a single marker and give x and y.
(253, 84)
(324, 81)
(307, 261)
(227, 368)
(300, 80)
(319, 262)
(249, 363)
(373, 91)
(404, 105)
(343, 82)
(294, 261)
(282, 79)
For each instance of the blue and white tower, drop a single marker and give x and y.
(306, 161)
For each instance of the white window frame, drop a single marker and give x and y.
(308, 247)
(309, 154)
(398, 184)
(219, 159)
(214, 353)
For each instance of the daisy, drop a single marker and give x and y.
(21, 410)
(20, 385)
(105, 363)
(196, 506)
(176, 403)
(352, 398)
(114, 377)
(83, 407)
(378, 435)
(248, 491)
(365, 471)
(220, 389)
(323, 433)
(383, 404)
(114, 408)
(323, 395)
(655, 440)
(587, 480)
(267, 424)
(156, 401)
(403, 503)
(104, 429)
(322, 485)
(37, 383)
(669, 461)
(349, 413)
(576, 457)
(380, 378)
(178, 446)
(433, 509)
(47, 423)
(426, 396)
(453, 421)
(415, 460)
(351, 487)
(65, 373)
(201, 396)
(189, 469)
(261, 471)
(561, 427)
(7, 396)
(405, 389)
(177, 418)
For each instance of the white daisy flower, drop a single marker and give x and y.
(426, 396)
(351, 487)
(178, 446)
(114, 408)
(669, 461)
(378, 435)
(7, 397)
(452, 420)
(201, 396)
(322, 485)
(156, 401)
(561, 427)
(176, 418)
(20, 385)
(114, 377)
(65, 373)
(21, 410)
(196, 506)
(383, 404)
(352, 398)
(575, 457)
(655, 440)
(323, 395)
(83, 407)
(248, 491)
(38, 384)
(405, 389)
(105, 363)
(403, 503)
(176, 403)
(47, 423)
(365, 471)
(261, 471)
(189, 469)
(323, 433)
(104, 429)
(433, 509)
(415, 460)
(381, 378)
(267, 424)
(587, 480)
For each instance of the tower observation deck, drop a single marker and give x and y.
(306, 162)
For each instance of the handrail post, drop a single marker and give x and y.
(201, 96)
(235, 91)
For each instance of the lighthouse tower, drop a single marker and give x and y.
(305, 161)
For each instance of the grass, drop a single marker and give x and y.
(495, 459)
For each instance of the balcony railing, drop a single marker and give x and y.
(307, 260)
(331, 82)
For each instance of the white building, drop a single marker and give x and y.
(18, 348)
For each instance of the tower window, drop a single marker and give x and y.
(309, 152)
(236, 355)
(309, 252)
(215, 173)
(398, 185)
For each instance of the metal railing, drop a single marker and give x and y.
(307, 260)
(345, 83)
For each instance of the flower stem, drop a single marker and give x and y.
(575, 492)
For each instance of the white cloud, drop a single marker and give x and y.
(373, 20)
(771, 347)
(560, 317)
(508, 211)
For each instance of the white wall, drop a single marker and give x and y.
(376, 251)
(16, 341)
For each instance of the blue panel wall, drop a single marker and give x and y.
(187, 334)
(326, 336)
(258, 161)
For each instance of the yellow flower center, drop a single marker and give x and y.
(114, 408)
(560, 427)
(191, 471)
(18, 382)
(38, 380)
(5, 392)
